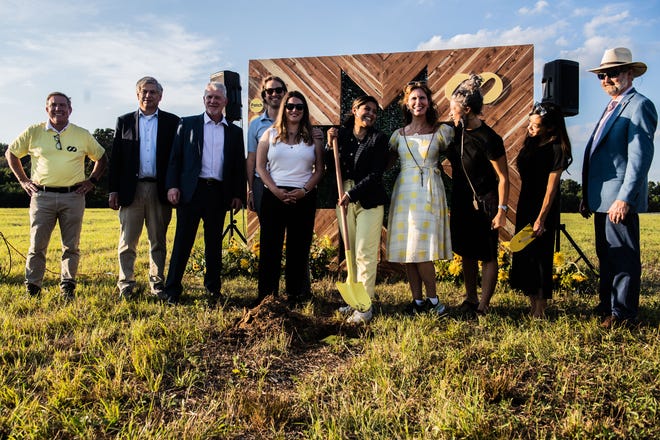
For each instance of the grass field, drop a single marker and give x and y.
(100, 368)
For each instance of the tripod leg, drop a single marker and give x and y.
(579, 251)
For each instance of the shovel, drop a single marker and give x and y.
(353, 292)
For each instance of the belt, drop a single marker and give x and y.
(209, 182)
(58, 189)
(147, 179)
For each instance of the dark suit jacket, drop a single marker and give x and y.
(186, 160)
(619, 165)
(125, 157)
(369, 165)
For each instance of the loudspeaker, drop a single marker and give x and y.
(232, 82)
(561, 86)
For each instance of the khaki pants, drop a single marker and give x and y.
(364, 229)
(47, 208)
(147, 210)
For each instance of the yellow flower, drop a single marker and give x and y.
(558, 259)
(244, 263)
(455, 267)
(579, 278)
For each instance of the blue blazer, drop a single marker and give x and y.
(186, 160)
(619, 165)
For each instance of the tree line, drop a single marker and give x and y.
(13, 196)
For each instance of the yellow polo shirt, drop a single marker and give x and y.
(57, 167)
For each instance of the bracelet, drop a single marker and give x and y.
(94, 180)
(305, 189)
(503, 207)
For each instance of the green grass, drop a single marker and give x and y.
(100, 368)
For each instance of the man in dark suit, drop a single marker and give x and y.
(205, 178)
(615, 184)
(138, 167)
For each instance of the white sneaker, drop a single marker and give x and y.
(346, 310)
(359, 317)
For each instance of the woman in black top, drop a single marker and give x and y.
(545, 154)
(480, 191)
(362, 156)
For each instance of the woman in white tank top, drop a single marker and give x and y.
(290, 163)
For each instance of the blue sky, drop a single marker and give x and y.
(95, 50)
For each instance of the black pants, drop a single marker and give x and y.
(297, 221)
(207, 205)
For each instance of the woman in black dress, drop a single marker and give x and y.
(545, 154)
(480, 191)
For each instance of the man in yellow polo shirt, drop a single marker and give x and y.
(57, 186)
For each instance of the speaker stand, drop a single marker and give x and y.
(562, 230)
(232, 228)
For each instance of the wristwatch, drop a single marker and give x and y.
(503, 207)
(94, 180)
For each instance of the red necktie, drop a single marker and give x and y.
(612, 105)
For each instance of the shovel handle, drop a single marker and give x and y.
(340, 191)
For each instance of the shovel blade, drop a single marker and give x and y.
(355, 295)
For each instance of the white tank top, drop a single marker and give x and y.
(290, 165)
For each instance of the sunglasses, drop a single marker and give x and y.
(290, 107)
(539, 109)
(612, 73)
(278, 90)
(58, 144)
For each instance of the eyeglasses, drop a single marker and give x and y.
(278, 90)
(612, 73)
(298, 107)
(58, 144)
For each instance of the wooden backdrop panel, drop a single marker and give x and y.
(384, 75)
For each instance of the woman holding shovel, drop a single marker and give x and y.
(362, 156)
(418, 225)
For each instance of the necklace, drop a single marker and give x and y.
(294, 135)
(416, 131)
(420, 167)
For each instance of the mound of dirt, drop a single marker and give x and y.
(274, 316)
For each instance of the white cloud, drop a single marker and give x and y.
(485, 37)
(98, 67)
(537, 9)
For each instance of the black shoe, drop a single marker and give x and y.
(416, 309)
(168, 298)
(68, 290)
(214, 297)
(468, 309)
(157, 289)
(127, 293)
(438, 309)
(32, 289)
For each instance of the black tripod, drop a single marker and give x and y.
(562, 229)
(231, 227)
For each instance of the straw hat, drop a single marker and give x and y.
(620, 57)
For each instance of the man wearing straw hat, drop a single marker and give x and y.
(615, 185)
